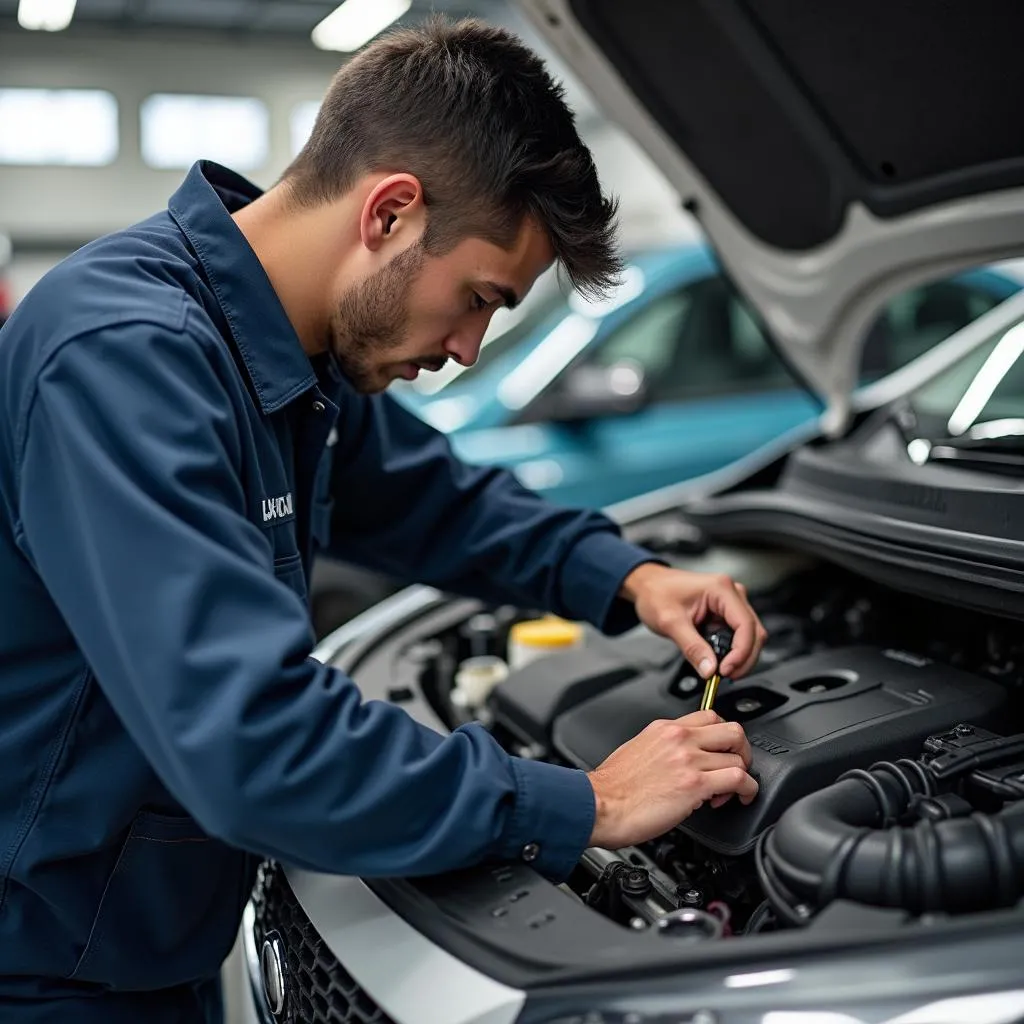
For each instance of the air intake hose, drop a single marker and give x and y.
(844, 842)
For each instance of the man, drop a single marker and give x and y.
(190, 409)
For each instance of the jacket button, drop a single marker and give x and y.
(531, 851)
(318, 406)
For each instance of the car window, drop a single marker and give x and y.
(703, 339)
(697, 341)
(651, 336)
(917, 320)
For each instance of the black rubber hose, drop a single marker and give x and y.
(843, 843)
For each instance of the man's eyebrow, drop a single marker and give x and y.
(508, 295)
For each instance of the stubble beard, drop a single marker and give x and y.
(371, 320)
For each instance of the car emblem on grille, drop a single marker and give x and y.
(273, 969)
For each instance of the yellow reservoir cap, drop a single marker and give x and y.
(538, 638)
(548, 632)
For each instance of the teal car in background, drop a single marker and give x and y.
(670, 378)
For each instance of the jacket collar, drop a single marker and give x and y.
(273, 355)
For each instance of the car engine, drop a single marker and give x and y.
(883, 735)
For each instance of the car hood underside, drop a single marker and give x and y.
(835, 153)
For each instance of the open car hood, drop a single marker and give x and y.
(835, 153)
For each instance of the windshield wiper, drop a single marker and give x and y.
(982, 448)
(992, 446)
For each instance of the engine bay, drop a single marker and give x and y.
(807, 721)
(884, 735)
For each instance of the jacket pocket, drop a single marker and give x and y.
(170, 910)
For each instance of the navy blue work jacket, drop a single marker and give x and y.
(166, 478)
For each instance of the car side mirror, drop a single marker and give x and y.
(591, 392)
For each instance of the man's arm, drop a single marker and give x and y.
(133, 514)
(405, 505)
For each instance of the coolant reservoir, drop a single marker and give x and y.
(536, 638)
(475, 679)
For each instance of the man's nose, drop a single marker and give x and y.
(464, 346)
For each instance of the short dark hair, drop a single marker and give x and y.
(475, 115)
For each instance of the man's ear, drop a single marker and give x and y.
(394, 211)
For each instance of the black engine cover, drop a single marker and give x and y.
(808, 721)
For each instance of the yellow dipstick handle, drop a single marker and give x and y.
(710, 692)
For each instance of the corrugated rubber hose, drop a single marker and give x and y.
(844, 842)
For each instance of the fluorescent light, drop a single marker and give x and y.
(356, 22)
(69, 127)
(177, 130)
(46, 15)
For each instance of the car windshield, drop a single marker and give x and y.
(981, 396)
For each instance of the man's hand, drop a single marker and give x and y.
(674, 603)
(664, 774)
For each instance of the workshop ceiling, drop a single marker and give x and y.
(281, 18)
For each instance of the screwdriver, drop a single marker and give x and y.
(720, 640)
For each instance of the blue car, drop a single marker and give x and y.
(672, 377)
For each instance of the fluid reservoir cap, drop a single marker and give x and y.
(538, 637)
(476, 677)
(547, 632)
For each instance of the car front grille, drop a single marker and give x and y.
(318, 990)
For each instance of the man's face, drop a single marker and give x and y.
(418, 311)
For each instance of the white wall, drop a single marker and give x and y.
(44, 205)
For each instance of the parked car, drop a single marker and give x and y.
(836, 154)
(670, 378)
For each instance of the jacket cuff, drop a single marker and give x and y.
(592, 576)
(553, 818)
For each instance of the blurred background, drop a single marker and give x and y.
(101, 114)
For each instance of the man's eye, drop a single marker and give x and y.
(478, 302)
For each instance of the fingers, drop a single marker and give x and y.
(695, 719)
(710, 761)
(726, 781)
(725, 737)
(729, 601)
(697, 650)
(760, 638)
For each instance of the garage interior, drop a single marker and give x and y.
(259, 50)
(671, 402)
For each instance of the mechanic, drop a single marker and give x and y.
(190, 409)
